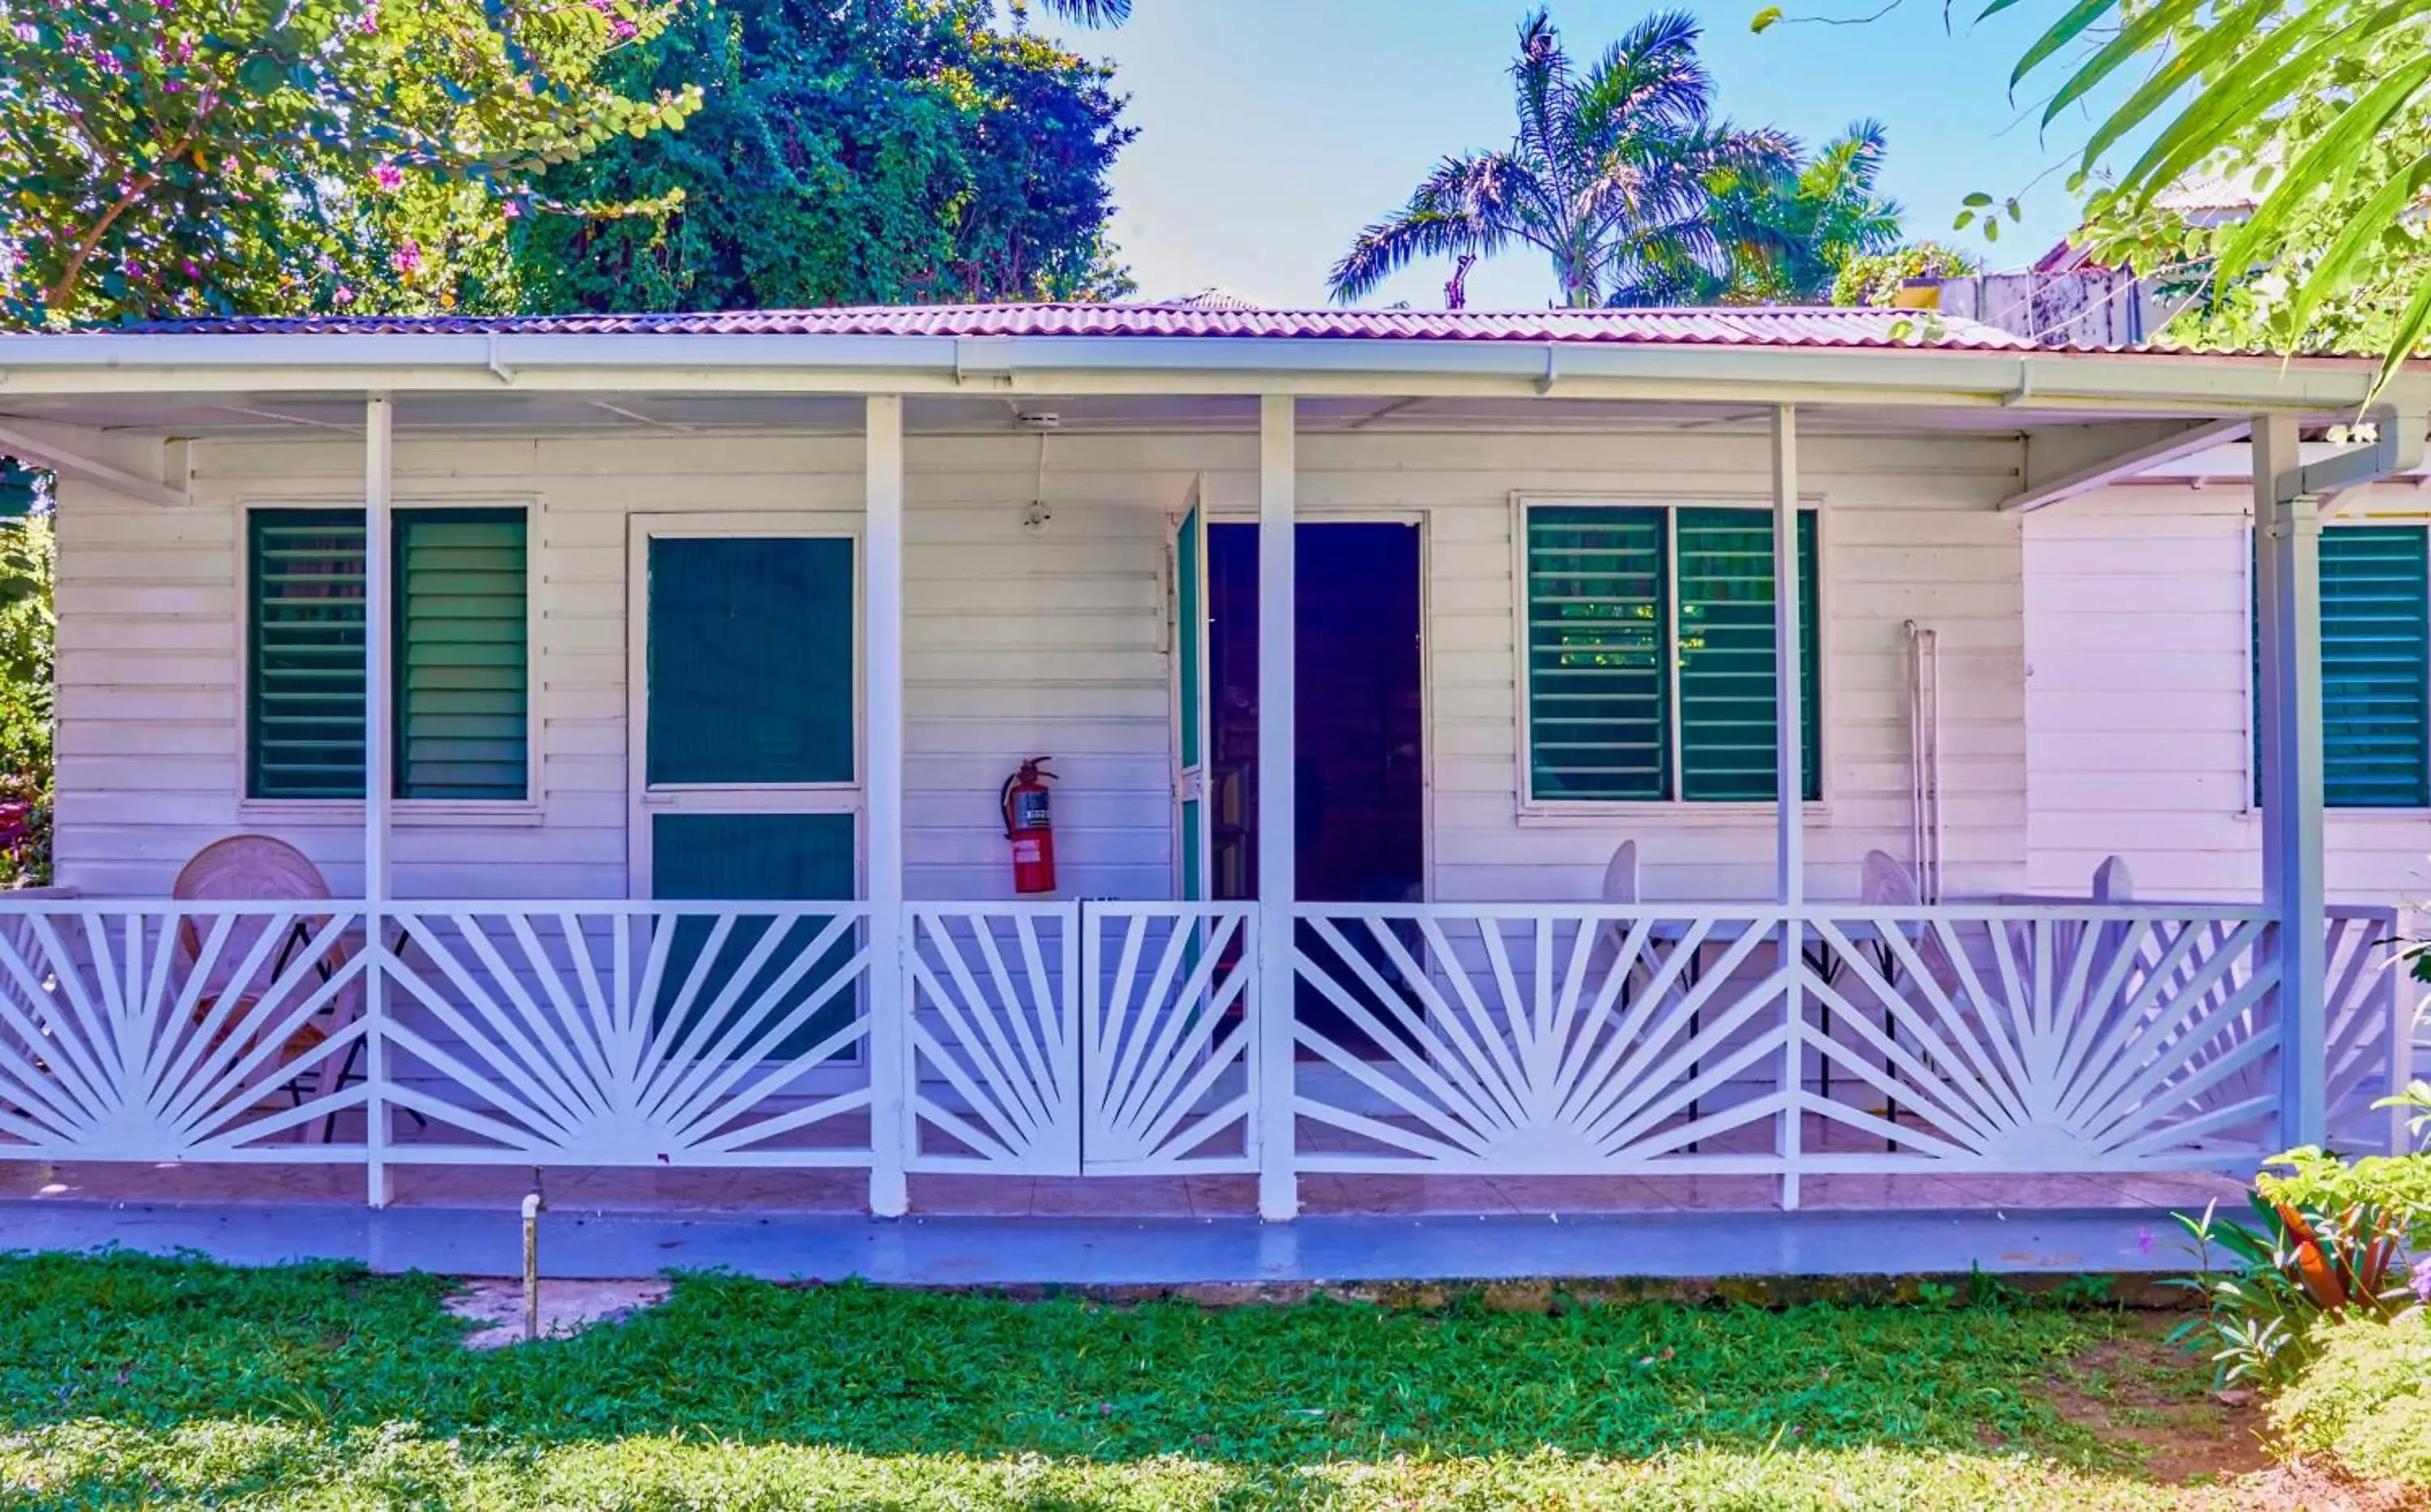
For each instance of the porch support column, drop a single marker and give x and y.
(2287, 536)
(1278, 819)
(890, 1131)
(380, 621)
(1789, 777)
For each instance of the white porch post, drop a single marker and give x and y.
(1278, 819)
(2287, 537)
(1789, 776)
(882, 788)
(379, 622)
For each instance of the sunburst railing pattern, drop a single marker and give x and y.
(630, 1034)
(163, 1033)
(1121, 1038)
(1550, 1040)
(1167, 1022)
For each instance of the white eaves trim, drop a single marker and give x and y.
(102, 362)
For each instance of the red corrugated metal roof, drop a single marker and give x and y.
(1752, 327)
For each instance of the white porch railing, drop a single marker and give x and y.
(162, 1032)
(1081, 1038)
(628, 1034)
(1069, 1038)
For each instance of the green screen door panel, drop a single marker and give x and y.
(770, 858)
(1187, 605)
(751, 659)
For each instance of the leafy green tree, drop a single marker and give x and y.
(859, 154)
(1876, 277)
(176, 157)
(1611, 175)
(28, 649)
(2324, 108)
(1783, 232)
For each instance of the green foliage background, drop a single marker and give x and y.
(855, 154)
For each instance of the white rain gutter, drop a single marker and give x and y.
(103, 361)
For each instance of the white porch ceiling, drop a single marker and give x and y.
(200, 415)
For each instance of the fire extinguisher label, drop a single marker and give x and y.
(1029, 810)
(1024, 852)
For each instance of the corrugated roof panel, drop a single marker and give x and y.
(1749, 326)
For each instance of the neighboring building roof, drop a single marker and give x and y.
(1755, 325)
(2211, 198)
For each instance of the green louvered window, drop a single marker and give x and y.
(1623, 603)
(464, 724)
(461, 660)
(304, 700)
(2375, 668)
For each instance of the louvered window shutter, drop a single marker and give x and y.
(304, 698)
(1727, 656)
(462, 720)
(2375, 685)
(1598, 688)
(460, 668)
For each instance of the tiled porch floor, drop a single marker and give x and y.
(571, 1190)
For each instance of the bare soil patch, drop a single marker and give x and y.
(2142, 1395)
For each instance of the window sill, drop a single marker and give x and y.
(2331, 815)
(1602, 814)
(405, 813)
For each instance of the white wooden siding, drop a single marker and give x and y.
(1054, 643)
(2139, 704)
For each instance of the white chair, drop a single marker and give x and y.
(1619, 886)
(262, 868)
(1620, 874)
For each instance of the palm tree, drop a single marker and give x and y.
(1609, 175)
(1783, 233)
(1091, 13)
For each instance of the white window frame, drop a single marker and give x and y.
(1535, 811)
(645, 799)
(529, 810)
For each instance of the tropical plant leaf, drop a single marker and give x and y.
(2070, 27)
(2329, 153)
(2132, 38)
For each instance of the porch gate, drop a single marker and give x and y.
(1082, 1038)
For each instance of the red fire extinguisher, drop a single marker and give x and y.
(1030, 826)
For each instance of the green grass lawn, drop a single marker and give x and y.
(130, 1382)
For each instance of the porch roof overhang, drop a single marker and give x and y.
(1808, 357)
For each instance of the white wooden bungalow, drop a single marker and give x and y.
(693, 652)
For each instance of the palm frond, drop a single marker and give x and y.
(1541, 88)
(1474, 204)
(1650, 79)
(1090, 13)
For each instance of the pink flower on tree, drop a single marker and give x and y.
(389, 176)
(409, 258)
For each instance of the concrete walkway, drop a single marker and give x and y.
(1107, 1252)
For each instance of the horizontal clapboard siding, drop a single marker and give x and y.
(2140, 703)
(1028, 643)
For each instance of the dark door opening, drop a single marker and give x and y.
(1360, 787)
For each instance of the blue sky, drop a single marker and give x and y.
(1271, 130)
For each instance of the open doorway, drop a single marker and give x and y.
(1360, 729)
